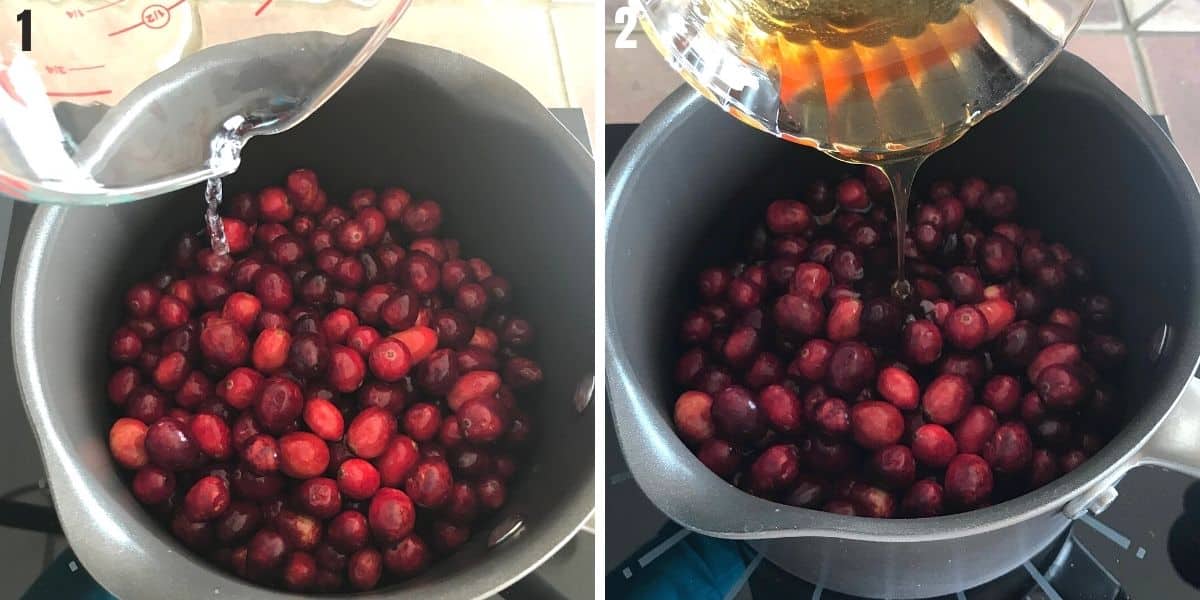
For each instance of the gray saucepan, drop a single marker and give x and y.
(515, 187)
(1094, 171)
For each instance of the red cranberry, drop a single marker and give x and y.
(965, 285)
(362, 338)
(420, 341)
(251, 486)
(240, 388)
(1002, 394)
(966, 327)
(207, 499)
(421, 218)
(968, 481)
(224, 344)
(302, 455)
(1071, 460)
(127, 443)
(397, 460)
(922, 342)
(1061, 386)
(299, 572)
(898, 387)
(171, 371)
(845, 320)
(365, 569)
(881, 319)
(1010, 449)
(370, 431)
(319, 497)
(851, 194)
(894, 466)
(358, 479)
(125, 346)
(851, 367)
(744, 294)
(422, 421)
(122, 383)
(946, 399)
(780, 405)
(213, 436)
(933, 445)
(799, 314)
(152, 485)
(348, 531)
(279, 404)
(998, 257)
(429, 483)
(832, 417)
(481, 421)
(839, 507)
(324, 419)
(171, 446)
(492, 493)
(876, 424)
(999, 203)
(391, 515)
(273, 288)
(195, 535)
(261, 454)
(347, 369)
(924, 499)
(812, 361)
(975, 429)
(737, 415)
(775, 469)
(720, 457)
(438, 373)
(693, 416)
(788, 217)
(1043, 468)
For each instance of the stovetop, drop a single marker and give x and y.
(1146, 546)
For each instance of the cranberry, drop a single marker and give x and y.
(924, 499)
(736, 414)
(1061, 386)
(152, 485)
(1071, 460)
(965, 284)
(302, 455)
(832, 417)
(213, 436)
(1043, 468)
(348, 531)
(171, 371)
(397, 460)
(127, 443)
(894, 466)
(780, 405)
(933, 445)
(261, 454)
(851, 194)
(946, 399)
(775, 469)
(207, 499)
(346, 369)
(839, 507)
(370, 431)
(966, 327)
(279, 404)
(422, 421)
(845, 320)
(365, 569)
(975, 429)
(693, 416)
(224, 344)
(922, 342)
(171, 446)
(846, 265)
(429, 483)
(522, 372)
(719, 456)
(812, 361)
(439, 371)
(492, 493)
(899, 388)
(968, 481)
(810, 280)
(195, 535)
(273, 288)
(125, 346)
(471, 385)
(407, 557)
(744, 294)
(999, 203)
(876, 424)
(851, 367)
(799, 314)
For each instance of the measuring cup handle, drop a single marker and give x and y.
(1176, 443)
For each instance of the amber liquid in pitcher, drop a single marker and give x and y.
(878, 82)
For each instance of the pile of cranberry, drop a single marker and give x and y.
(331, 403)
(809, 382)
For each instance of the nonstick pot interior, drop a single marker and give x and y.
(515, 188)
(1091, 170)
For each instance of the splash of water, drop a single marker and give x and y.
(216, 230)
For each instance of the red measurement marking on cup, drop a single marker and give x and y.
(78, 94)
(62, 70)
(263, 7)
(154, 16)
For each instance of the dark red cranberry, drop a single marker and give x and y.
(1070, 460)
(851, 194)
(974, 430)
(1061, 386)
(775, 469)
(999, 203)
(780, 406)
(894, 466)
(788, 217)
(799, 314)
(744, 294)
(881, 319)
(922, 342)
(968, 481)
(811, 280)
(736, 414)
(170, 445)
(429, 483)
(720, 457)
(851, 368)
(932, 445)
(925, 498)
(846, 265)
(714, 282)
(965, 284)
(832, 417)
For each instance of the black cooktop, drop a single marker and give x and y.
(1146, 546)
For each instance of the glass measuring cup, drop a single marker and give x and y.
(863, 80)
(118, 100)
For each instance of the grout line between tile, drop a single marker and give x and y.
(1146, 16)
(1140, 70)
(558, 59)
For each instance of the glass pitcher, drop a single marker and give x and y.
(863, 80)
(106, 101)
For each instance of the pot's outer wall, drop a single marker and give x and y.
(1091, 169)
(515, 187)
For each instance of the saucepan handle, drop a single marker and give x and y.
(1176, 443)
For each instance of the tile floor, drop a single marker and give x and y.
(1148, 48)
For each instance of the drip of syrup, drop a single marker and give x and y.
(900, 173)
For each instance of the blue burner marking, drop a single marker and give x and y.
(657, 551)
(741, 582)
(1042, 583)
(1106, 531)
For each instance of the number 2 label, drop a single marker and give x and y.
(627, 16)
